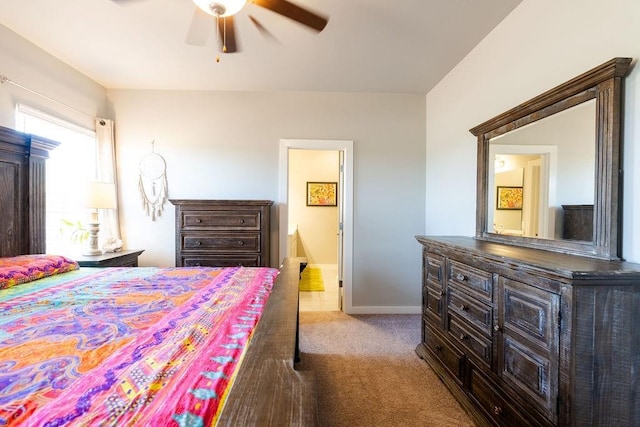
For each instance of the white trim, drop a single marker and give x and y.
(319, 144)
(393, 309)
(34, 112)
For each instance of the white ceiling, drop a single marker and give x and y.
(403, 46)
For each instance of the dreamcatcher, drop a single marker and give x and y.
(152, 183)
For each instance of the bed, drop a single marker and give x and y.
(137, 346)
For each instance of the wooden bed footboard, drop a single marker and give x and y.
(268, 391)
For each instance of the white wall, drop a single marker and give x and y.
(317, 226)
(225, 145)
(541, 44)
(31, 67)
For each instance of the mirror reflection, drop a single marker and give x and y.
(541, 178)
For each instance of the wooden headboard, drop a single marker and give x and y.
(22, 192)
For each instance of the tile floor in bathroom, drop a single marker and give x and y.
(327, 300)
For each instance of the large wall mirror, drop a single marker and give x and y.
(549, 169)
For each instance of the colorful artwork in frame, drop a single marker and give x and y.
(322, 193)
(509, 198)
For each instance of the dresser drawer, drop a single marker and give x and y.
(477, 345)
(221, 220)
(481, 315)
(227, 242)
(248, 260)
(486, 394)
(471, 279)
(451, 358)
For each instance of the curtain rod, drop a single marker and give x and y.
(5, 79)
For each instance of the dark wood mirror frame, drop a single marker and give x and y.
(604, 84)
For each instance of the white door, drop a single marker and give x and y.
(535, 218)
(340, 227)
(531, 199)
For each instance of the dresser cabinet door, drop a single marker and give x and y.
(433, 287)
(13, 207)
(528, 345)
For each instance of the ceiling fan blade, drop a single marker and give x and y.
(227, 31)
(294, 12)
(200, 28)
(263, 30)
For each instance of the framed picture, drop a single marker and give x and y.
(509, 198)
(322, 193)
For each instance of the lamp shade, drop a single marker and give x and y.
(99, 195)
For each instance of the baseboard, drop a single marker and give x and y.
(394, 309)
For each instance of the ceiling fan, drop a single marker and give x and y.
(224, 11)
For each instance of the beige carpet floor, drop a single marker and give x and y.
(368, 374)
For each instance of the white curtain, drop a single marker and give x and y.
(106, 154)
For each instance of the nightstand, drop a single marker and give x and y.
(110, 259)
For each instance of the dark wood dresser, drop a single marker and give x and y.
(531, 337)
(23, 203)
(222, 233)
(577, 222)
(123, 258)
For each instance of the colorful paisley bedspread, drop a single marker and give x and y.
(126, 346)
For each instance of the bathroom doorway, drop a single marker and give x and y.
(318, 232)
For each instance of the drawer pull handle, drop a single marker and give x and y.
(464, 307)
(438, 347)
(462, 277)
(497, 410)
(442, 293)
(464, 337)
(197, 264)
(198, 220)
(497, 328)
(241, 221)
(198, 243)
(240, 243)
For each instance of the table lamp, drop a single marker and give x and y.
(97, 195)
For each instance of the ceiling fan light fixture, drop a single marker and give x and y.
(220, 8)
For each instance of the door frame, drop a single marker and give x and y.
(346, 147)
(549, 155)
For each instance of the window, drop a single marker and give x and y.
(72, 163)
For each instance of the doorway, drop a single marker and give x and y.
(536, 169)
(338, 271)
